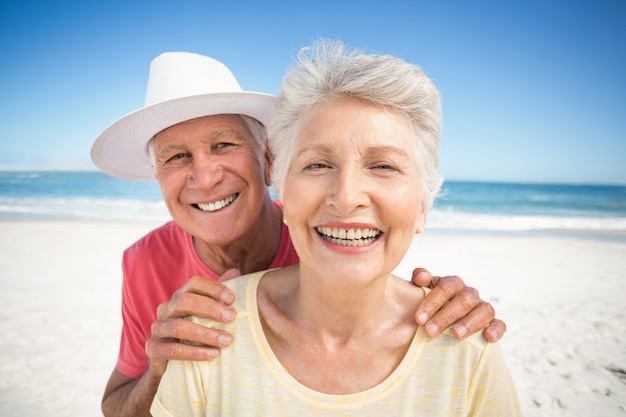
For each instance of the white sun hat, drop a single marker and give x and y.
(181, 86)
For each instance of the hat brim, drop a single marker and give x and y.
(122, 149)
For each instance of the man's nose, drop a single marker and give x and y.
(205, 172)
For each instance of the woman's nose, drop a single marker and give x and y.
(348, 191)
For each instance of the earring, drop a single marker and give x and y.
(419, 230)
(285, 221)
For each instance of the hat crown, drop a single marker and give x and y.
(183, 74)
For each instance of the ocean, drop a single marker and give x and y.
(471, 206)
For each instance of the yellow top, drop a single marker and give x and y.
(437, 377)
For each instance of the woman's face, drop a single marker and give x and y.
(353, 198)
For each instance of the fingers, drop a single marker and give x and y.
(181, 329)
(161, 351)
(452, 304)
(475, 321)
(202, 342)
(495, 330)
(174, 350)
(230, 274)
(189, 304)
(422, 277)
(434, 308)
(209, 288)
(200, 297)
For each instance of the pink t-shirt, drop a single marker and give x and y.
(154, 268)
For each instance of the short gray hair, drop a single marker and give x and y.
(256, 128)
(259, 132)
(326, 69)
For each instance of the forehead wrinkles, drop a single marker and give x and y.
(232, 133)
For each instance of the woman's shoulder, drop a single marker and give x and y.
(407, 293)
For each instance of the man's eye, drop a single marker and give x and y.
(177, 157)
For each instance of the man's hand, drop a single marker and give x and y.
(452, 303)
(202, 297)
(199, 297)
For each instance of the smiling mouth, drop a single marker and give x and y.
(348, 237)
(217, 205)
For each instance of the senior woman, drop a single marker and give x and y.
(355, 139)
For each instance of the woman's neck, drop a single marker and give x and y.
(340, 309)
(337, 340)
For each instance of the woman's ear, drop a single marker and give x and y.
(421, 222)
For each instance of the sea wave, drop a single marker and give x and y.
(458, 220)
(84, 208)
(155, 210)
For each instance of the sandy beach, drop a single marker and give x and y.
(562, 298)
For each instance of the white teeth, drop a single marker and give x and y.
(218, 204)
(348, 237)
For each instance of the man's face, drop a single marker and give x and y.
(213, 176)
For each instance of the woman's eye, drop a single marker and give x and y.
(317, 165)
(223, 145)
(384, 166)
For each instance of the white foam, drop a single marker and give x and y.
(85, 207)
(454, 220)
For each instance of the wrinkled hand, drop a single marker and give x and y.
(200, 297)
(452, 303)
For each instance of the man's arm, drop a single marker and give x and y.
(126, 396)
(202, 297)
(452, 303)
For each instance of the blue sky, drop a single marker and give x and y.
(533, 91)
